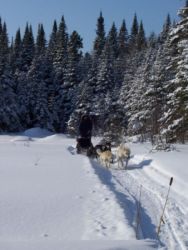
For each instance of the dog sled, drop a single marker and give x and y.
(84, 146)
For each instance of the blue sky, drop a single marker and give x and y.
(81, 15)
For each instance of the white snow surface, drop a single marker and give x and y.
(53, 199)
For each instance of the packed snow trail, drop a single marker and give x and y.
(143, 171)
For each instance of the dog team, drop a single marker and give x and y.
(103, 152)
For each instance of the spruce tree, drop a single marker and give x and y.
(59, 65)
(122, 40)
(111, 45)
(4, 48)
(9, 112)
(28, 48)
(100, 38)
(17, 50)
(61, 55)
(166, 29)
(52, 44)
(133, 34)
(72, 77)
(40, 41)
(141, 39)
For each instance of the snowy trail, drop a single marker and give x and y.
(48, 195)
(154, 192)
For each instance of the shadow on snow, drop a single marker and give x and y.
(127, 202)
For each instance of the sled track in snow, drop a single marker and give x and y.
(152, 201)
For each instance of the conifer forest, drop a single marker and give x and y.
(129, 83)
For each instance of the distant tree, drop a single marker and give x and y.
(166, 27)
(9, 112)
(38, 79)
(111, 45)
(52, 44)
(141, 39)
(61, 54)
(4, 48)
(100, 38)
(16, 52)
(40, 41)
(152, 40)
(72, 77)
(122, 40)
(134, 33)
(28, 48)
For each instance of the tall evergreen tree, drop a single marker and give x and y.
(61, 55)
(133, 34)
(152, 40)
(40, 41)
(51, 50)
(175, 117)
(111, 45)
(9, 112)
(59, 65)
(100, 38)
(4, 48)
(17, 50)
(166, 28)
(72, 77)
(141, 39)
(28, 48)
(122, 40)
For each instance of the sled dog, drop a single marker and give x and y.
(123, 155)
(105, 157)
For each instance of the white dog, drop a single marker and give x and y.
(105, 157)
(123, 155)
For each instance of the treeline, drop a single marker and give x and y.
(131, 83)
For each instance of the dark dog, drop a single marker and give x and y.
(101, 147)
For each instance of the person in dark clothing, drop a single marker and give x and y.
(85, 127)
(84, 138)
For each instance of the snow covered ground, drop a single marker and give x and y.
(52, 199)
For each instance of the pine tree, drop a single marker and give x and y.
(152, 40)
(166, 28)
(38, 79)
(72, 77)
(9, 113)
(28, 48)
(52, 45)
(62, 42)
(122, 40)
(59, 65)
(100, 38)
(4, 49)
(141, 39)
(133, 34)
(40, 41)
(111, 45)
(17, 50)
(175, 118)
(61, 54)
